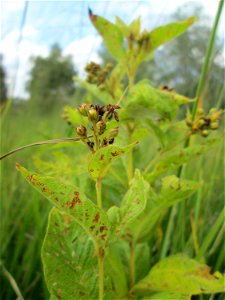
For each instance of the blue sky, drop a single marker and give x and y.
(67, 23)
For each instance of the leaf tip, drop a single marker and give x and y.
(18, 166)
(91, 15)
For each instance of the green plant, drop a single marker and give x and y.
(90, 252)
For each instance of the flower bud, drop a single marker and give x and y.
(201, 123)
(114, 132)
(83, 109)
(188, 122)
(200, 111)
(101, 126)
(81, 131)
(205, 133)
(214, 125)
(215, 115)
(93, 115)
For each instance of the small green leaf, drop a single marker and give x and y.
(71, 200)
(69, 260)
(164, 34)
(144, 101)
(111, 34)
(174, 159)
(135, 27)
(101, 160)
(122, 26)
(177, 98)
(182, 275)
(73, 116)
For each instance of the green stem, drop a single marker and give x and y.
(99, 192)
(100, 251)
(132, 264)
(173, 211)
(95, 134)
(207, 57)
(211, 235)
(130, 165)
(100, 275)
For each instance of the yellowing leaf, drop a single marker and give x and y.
(182, 275)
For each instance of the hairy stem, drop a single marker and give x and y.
(132, 264)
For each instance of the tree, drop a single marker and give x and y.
(3, 88)
(51, 79)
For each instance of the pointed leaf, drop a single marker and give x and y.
(174, 159)
(163, 34)
(101, 160)
(111, 34)
(182, 275)
(71, 200)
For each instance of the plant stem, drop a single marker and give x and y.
(130, 165)
(100, 251)
(100, 275)
(173, 211)
(132, 264)
(99, 192)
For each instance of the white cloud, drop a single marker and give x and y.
(84, 50)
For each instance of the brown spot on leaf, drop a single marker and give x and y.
(96, 218)
(115, 153)
(92, 227)
(91, 170)
(82, 293)
(102, 157)
(103, 236)
(76, 200)
(102, 228)
(56, 199)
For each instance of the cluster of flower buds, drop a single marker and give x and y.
(204, 123)
(96, 74)
(98, 116)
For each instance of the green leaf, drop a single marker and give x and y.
(135, 27)
(144, 101)
(122, 26)
(164, 34)
(173, 191)
(177, 98)
(167, 296)
(182, 275)
(69, 260)
(111, 34)
(115, 270)
(101, 160)
(134, 202)
(174, 159)
(73, 116)
(71, 200)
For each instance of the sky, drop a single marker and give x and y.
(29, 28)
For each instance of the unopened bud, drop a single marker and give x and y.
(81, 131)
(83, 109)
(93, 115)
(215, 115)
(200, 111)
(214, 125)
(114, 132)
(188, 122)
(205, 133)
(201, 123)
(101, 126)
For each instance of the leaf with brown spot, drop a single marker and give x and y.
(71, 200)
(182, 275)
(98, 167)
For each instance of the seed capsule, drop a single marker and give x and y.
(83, 109)
(101, 126)
(114, 132)
(200, 111)
(81, 131)
(214, 125)
(201, 123)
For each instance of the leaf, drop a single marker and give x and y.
(73, 116)
(115, 270)
(111, 34)
(144, 101)
(71, 200)
(164, 34)
(135, 27)
(69, 260)
(174, 159)
(182, 275)
(177, 98)
(122, 26)
(101, 160)
(173, 191)
(134, 202)
(167, 296)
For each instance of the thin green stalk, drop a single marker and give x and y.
(198, 94)
(99, 192)
(100, 275)
(132, 264)
(13, 283)
(211, 235)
